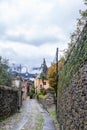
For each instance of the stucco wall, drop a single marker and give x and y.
(39, 84)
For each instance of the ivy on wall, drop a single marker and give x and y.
(77, 57)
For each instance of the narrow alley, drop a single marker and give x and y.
(30, 117)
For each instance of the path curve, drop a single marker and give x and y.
(30, 118)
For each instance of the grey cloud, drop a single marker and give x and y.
(34, 41)
(2, 30)
(17, 39)
(21, 38)
(65, 17)
(43, 40)
(8, 52)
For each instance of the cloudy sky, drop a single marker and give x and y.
(31, 30)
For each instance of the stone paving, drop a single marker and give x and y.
(35, 120)
(12, 121)
(48, 121)
(31, 117)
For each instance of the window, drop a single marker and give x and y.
(44, 83)
(40, 85)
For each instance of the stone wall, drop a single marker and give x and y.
(72, 104)
(48, 101)
(8, 101)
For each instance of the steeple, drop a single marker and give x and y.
(44, 66)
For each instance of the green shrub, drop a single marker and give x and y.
(43, 91)
(5, 76)
(40, 95)
(32, 92)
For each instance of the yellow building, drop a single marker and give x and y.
(41, 72)
(38, 83)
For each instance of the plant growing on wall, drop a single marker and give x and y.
(76, 53)
(5, 77)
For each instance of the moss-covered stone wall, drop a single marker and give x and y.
(72, 88)
(73, 102)
(8, 101)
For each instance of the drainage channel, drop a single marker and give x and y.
(48, 121)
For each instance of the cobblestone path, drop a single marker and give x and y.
(31, 117)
